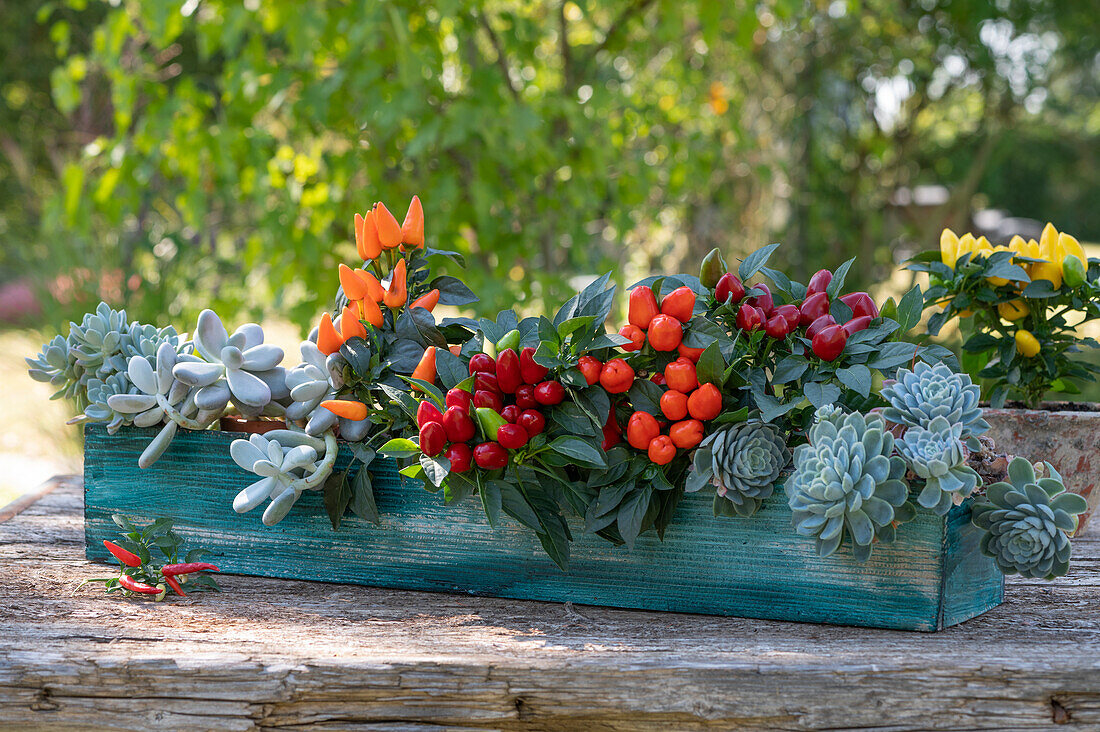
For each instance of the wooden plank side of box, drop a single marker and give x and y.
(754, 567)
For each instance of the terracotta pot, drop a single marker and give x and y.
(1065, 435)
(251, 426)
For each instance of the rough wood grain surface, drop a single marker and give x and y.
(277, 654)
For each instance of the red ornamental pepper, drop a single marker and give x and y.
(525, 397)
(433, 438)
(763, 301)
(174, 584)
(819, 282)
(658, 379)
(861, 304)
(482, 362)
(855, 325)
(829, 342)
(674, 405)
(679, 304)
(816, 327)
(458, 424)
(488, 399)
(640, 429)
(665, 333)
(729, 288)
(532, 421)
(133, 585)
(549, 393)
(531, 372)
(508, 371)
(680, 376)
(460, 456)
(686, 434)
(490, 456)
(612, 434)
(590, 367)
(616, 376)
(705, 402)
(635, 335)
(661, 450)
(511, 436)
(188, 568)
(776, 327)
(692, 354)
(427, 412)
(750, 317)
(510, 413)
(642, 307)
(484, 381)
(459, 398)
(813, 307)
(791, 314)
(126, 557)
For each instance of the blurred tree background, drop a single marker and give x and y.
(174, 155)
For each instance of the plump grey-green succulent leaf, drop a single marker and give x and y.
(1027, 522)
(282, 459)
(746, 460)
(56, 365)
(101, 394)
(919, 396)
(935, 454)
(847, 483)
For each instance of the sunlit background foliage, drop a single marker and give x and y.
(173, 155)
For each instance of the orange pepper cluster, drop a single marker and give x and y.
(663, 326)
(686, 404)
(376, 232)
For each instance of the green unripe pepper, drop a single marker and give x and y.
(490, 422)
(1073, 271)
(712, 268)
(509, 340)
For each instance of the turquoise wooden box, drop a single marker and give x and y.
(932, 577)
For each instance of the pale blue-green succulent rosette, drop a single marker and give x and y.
(56, 365)
(97, 341)
(848, 483)
(919, 396)
(746, 460)
(1028, 521)
(936, 455)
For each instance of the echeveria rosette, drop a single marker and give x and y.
(919, 396)
(56, 365)
(239, 367)
(936, 455)
(97, 341)
(145, 341)
(99, 409)
(848, 482)
(746, 460)
(1028, 521)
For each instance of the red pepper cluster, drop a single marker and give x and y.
(514, 387)
(686, 405)
(827, 337)
(661, 326)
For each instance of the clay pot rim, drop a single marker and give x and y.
(1075, 408)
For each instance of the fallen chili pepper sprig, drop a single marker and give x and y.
(139, 551)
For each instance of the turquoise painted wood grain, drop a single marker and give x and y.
(932, 577)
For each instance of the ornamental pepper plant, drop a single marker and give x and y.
(1020, 307)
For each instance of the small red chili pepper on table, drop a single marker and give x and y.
(126, 557)
(189, 568)
(133, 585)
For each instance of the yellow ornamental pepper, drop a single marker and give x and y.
(999, 281)
(1048, 242)
(949, 247)
(1051, 271)
(1027, 345)
(1013, 310)
(1068, 246)
(966, 244)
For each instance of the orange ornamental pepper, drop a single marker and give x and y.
(679, 303)
(350, 327)
(366, 237)
(389, 231)
(370, 312)
(616, 376)
(346, 408)
(705, 402)
(661, 450)
(455, 350)
(641, 429)
(359, 284)
(425, 370)
(680, 376)
(665, 333)
(636, 336)
(328, 340)
(690, 353)
(427, 301)
(686, 434)
(642, 308)
(396, 294)
(412, 231)
(674, 405)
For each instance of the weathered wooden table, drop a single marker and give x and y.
(281, 654)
